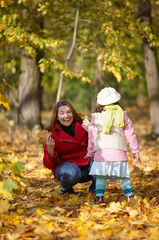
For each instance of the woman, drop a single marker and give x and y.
(66, 148)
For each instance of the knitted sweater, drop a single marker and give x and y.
(113, 154)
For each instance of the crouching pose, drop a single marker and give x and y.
(66, 148)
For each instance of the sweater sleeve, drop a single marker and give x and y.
(130, 134)
(48, 161)
(91, 135)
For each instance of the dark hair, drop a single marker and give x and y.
(99, 107)
(77, 117)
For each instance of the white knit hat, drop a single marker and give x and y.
(108, 96)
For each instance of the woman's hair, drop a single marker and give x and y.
(76, 116)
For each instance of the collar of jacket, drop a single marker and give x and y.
(80, 133)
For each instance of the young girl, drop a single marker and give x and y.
(109, 129)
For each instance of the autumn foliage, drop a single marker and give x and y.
(38, 211)
(42, 136)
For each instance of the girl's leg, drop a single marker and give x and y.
(68, 174)
(127, 187)
(100, 185)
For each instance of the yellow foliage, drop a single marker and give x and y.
(133, 213)
(2, 25)
(43, 136)
(116, 72)
(114, 207)
(10, 86)
(5, 3)
(4, 205)
(4, 192)
(4, 101)
(15, 220)
(41, 212)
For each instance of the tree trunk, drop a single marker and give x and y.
(152, 70)
(29, 92)
(97, 84)
(70, 51)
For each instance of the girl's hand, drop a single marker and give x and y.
(91, 158)
(50, 143)
(136, 155)
(85, 124)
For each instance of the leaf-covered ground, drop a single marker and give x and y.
(38, 211)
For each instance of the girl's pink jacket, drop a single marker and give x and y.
(108, 154)
(67, 148)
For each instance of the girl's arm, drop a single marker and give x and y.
(91, 134)
(131, 137)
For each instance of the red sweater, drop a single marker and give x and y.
(67, 148)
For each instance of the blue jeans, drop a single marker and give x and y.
(70, 174)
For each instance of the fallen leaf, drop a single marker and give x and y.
(4, 205)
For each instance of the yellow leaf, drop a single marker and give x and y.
(114, 207)
(132, 233)
(2, 25)
(153, 233)
(64, 234)
(15, 221)
(50, 226)
(40, 212)
(4, 192)
(4, 101)
(108, 232)
(3, 4)
(133, 213)
(13, 236)
(4, 205)
(117, 74)
(84, 216)
(29, 220)
(41, 230)
(148, 169)
(8, 84)
(20, 211)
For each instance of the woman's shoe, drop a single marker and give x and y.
(69, 190)
(99, 199)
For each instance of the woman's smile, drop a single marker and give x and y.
(65, 116)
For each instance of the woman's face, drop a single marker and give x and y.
(65, 116)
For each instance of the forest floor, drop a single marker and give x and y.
(38, 211)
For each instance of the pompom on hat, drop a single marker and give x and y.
(108, 96)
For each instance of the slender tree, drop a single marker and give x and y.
(70, 51)
(151, 67)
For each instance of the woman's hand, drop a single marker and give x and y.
(85, 124)
(50, 143)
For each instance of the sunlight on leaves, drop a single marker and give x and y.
(4, 205)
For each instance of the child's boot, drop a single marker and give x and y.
(99, 199)
(129, 198)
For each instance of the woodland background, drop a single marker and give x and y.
(51, 50)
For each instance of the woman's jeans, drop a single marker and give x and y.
(70, 174)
